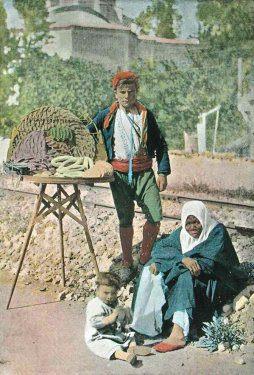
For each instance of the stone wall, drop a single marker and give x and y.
(217, 173)
(114, 47)
(147, 49)
(61, 43)
(118, 48)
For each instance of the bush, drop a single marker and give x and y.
(178, 94)
(220, 331)
(74, 84)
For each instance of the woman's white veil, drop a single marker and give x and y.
(199, 210)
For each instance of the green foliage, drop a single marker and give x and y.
(175, 93)
(218, 331)
(42, 80)
(3, 41)
(227, 23)
(178, 94)
(15, 47)
(5, 80)
(79, 86)
(3, 33)
(35, 15)
(158, 18)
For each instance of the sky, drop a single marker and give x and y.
(132, 8)
(13, 19)
(187, 9)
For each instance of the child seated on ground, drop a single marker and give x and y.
(106, 330)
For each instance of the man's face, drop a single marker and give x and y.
(126, 95)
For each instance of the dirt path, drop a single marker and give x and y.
(42, 336)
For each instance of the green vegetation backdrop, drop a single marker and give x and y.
(176, 93)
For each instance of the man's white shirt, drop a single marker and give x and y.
(126, 139)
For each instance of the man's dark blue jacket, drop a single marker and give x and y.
(156, 144)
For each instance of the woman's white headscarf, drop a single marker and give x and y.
(199, 210)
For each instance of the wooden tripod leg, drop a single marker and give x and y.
(60, 222)
(84, 223)
(27, 238)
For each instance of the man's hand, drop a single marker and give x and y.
(162, 182)
(153, 269)
(192, 266)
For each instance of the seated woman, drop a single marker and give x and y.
(196, 268)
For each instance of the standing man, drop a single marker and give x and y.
(132, 138)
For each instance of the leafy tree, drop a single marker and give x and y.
(178, 94)
(15, 47)
(227, 23)
(6, 80)
(3, 32)
(228, 27)
(35, 16)
(79, 86)
(158, 18)
(3, 42)
(43, 80)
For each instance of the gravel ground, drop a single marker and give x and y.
(43, 337)
(41, 270)
(43, 263)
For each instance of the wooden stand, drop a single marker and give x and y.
(46, 204)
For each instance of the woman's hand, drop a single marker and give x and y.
(192, 266)
(153, 269)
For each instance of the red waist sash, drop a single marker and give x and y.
(139, 164)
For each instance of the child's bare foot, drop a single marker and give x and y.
(129, 357)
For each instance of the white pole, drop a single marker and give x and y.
(215, 130)
(201, 131)
(240, 77)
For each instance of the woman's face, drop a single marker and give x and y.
(193, 226)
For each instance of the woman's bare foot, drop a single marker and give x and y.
(176, 337)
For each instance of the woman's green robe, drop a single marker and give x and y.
(219, 278)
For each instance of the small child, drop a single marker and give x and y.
(105, 330)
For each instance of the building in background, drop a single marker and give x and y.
(98, 31)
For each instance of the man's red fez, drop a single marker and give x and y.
(127, 74)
